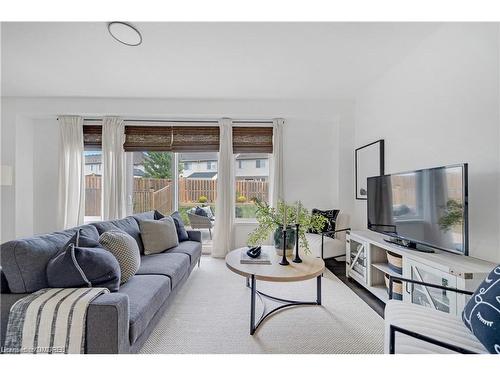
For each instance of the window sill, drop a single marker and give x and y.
(246, 221)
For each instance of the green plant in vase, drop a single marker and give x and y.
(270, 221)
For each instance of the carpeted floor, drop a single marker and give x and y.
(211, 315)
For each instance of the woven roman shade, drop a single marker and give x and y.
(92, 137)
(185, 138)
(195, 138)
(148, 138)
(252, 139)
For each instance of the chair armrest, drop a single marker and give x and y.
(334, 231)
(194, 235)
(392, 340)
(331, 232)
(392, 278)
(107, 326)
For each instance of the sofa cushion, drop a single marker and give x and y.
(82, 239)
(436, 324)
(125, 250)
(146, 294)
(129, 225)
(158, 235)
(191, 248)
(148, 215)
(175, 266)
(24, 261)
(481, 315)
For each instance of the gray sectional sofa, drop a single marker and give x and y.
(116, 322)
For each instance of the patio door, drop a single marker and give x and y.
(151, 181)
(196, 182)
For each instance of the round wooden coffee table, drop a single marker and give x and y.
(309, 268)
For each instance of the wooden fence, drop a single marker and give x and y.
(157, 194)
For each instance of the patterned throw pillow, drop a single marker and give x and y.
(331, 216)
(125, 249)
(482, 313)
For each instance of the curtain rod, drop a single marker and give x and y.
(187, 121)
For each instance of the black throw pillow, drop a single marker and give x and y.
(482, 313)
(331, 216)
(179, 226)
(200, 212)
(158, 215)
(77, 266)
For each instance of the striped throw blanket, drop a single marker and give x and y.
(50, 321)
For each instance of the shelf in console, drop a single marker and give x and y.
(384, 267)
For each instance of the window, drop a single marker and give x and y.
(406, 205)
(240, 164)
(251, 184)
(93, 185)
(188, 165)
(211, 165)
(260, 163)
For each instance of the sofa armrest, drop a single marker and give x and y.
(4, 286)
(194, 235)
(107, 324)
(6, 302)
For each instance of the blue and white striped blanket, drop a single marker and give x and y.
(50, 321)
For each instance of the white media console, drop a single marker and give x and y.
(367, 262)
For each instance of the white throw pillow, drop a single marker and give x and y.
(125, 249)
(158, 235)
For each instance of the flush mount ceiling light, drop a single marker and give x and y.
(125, 33)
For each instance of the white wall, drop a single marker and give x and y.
(438, 106)
(311, 134)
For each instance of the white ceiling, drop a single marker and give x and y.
(203, 60)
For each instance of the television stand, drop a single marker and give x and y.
(407, 244)
(370, 257)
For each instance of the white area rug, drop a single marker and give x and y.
(211, 315)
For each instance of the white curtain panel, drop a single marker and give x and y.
(224, 205)
(71, 188)
(276, 188)
(114, 175)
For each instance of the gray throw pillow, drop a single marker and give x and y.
(79, 267)
(158, 235)
(126, 251)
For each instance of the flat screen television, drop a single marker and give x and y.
(421, 209)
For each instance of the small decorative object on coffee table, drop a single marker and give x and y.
(297, 226)
(284, 261)
(310, 268)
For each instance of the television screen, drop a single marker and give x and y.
(427, 206)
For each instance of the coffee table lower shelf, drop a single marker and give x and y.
(251, 283)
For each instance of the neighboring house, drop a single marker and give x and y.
(93, 164)
(204, 165)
